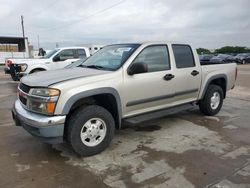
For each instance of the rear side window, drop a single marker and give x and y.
(156, 58)
(81, 53)
(183, 56)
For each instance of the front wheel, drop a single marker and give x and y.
(212, 101)
(243, 61)
(90, 130)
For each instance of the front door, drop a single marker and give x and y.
(152, 90)
(64, 58)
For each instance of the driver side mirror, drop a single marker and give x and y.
(56, 58)
(137, 68)
(59, 58)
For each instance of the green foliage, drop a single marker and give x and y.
(225, 50)
(201, 51)
(232, 49)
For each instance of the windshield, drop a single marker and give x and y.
(48, 55)
(222, 56)
(110, 57)
(242, 55)
(75, 64)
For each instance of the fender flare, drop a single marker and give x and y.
(210, 80)
(105, 90)
(37, 67)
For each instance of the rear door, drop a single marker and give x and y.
(187, 74)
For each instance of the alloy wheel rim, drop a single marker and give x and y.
(93, 132)
(215, 100)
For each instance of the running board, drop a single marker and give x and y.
(157, 114)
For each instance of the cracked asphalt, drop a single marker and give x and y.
(183, 150)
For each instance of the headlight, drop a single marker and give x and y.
(23, 67)
(43, 100)
(45, 92)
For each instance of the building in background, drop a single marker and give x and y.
(14, 47)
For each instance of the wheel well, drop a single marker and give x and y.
(107, 101)
(220, 82)
(36, 69)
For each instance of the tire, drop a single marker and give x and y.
(79, 133)
(209, 107)
(243, 61)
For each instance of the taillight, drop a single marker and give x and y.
(8, 63)
(236, 73)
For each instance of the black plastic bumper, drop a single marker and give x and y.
(49, 134)
(15, 72)
(7, 70)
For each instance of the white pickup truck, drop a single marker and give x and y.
(121, 84)
(55, 59)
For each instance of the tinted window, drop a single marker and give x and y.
(81, 53)
(156, 58)
(183, 56)
(51, 53)
(66, 54)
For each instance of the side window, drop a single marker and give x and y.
(66, 54)
(156, 58)
(81, 53)
(183, 56)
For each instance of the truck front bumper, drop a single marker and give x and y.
(49, 129)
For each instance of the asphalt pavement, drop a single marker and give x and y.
(183, 150)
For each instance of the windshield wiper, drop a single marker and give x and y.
(93, 66)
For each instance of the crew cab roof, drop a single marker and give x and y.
(73, 47)
(152, 43)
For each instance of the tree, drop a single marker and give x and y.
(201, 51)
(232, 49)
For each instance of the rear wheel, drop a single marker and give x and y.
(243, 61)
(90, 130)
(212, 101)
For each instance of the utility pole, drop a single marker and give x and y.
(38, 44)
(25, 46)
(22, 26)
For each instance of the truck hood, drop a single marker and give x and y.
(47, 78)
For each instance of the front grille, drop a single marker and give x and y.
(22, 96)
(23, 100)
(24, 88)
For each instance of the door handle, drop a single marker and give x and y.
(194, 72)
(168, 76)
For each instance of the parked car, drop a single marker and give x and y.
(122, 83)
(242, 58)
(205, 58)
(55, 59)
(222, 58)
